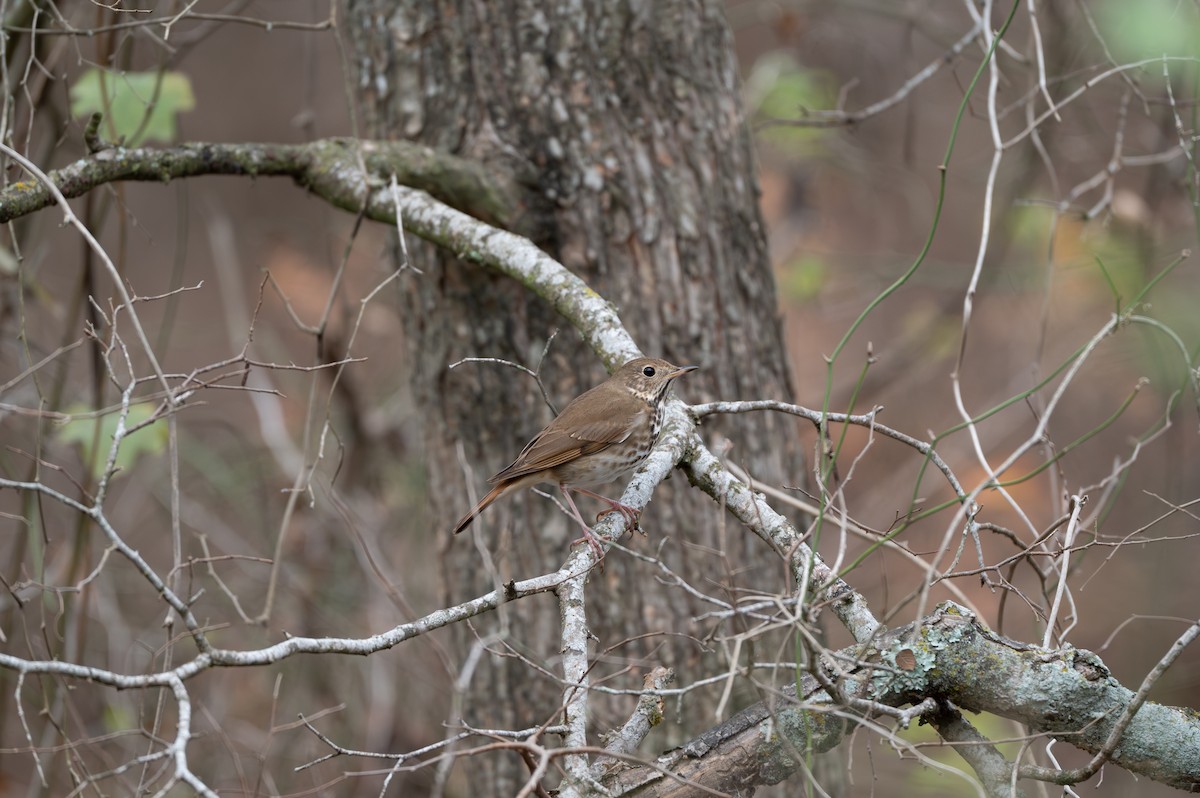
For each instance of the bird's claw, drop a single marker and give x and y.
(590, 538)
(632, 516)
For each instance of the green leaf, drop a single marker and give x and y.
(136, 105)
(94, 435)
(804, 278)
(780, 88)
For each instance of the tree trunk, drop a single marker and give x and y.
(626, 117)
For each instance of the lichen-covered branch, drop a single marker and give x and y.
(1066, 693)
(333, 169)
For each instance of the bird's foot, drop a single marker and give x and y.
(589, 537)
(630, 514)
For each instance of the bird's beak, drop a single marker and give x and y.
(681, 370)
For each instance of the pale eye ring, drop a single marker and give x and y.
(648, 371)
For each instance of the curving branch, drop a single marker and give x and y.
(333, 169)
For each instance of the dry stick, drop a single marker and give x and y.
(269, 25)
(574, 632)
(815, 416)
(50, 358)
(339, 750)
(839, 117)
(1041, 56)
(1077, 503)
(1088, 84)
(283, 649)
(647, 714)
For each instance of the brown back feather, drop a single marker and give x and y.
(607, 416)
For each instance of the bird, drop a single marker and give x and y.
(600, 435)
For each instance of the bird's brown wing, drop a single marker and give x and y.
(568, 437)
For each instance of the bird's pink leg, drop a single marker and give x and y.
(630, 514)
(588, 535)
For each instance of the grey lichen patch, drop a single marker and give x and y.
(945, 635)
(908, 660)
(907, 668)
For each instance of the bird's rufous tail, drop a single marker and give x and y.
(491, 496)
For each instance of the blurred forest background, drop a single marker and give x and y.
(849, 204)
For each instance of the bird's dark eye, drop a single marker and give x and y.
(648, 371)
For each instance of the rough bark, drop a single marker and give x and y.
(626, 117)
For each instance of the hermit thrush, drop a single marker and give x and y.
(599, 436)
